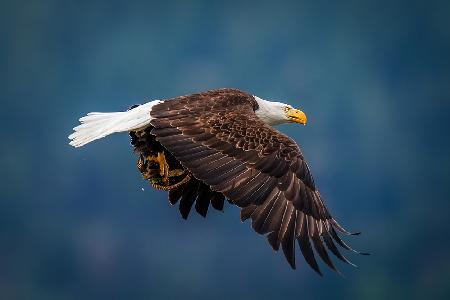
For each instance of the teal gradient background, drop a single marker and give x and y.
(372, 76)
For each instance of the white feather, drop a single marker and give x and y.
(96, 125)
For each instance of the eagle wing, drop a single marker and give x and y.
(222, 142)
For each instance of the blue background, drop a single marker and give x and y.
(372, 76)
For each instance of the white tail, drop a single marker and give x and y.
(96, 125)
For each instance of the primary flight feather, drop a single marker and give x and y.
(220, 144)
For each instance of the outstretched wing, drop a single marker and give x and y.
(218, 137)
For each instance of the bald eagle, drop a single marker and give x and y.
(220, 145)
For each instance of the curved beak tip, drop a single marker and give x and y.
(297, 116)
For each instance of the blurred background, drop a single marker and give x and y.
(372, 76)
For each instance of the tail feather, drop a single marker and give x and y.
(96, 125)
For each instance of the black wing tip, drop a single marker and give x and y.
(201, 212)
(318, 272)
(341, 229)
(289, 259)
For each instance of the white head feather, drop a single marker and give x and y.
(271, 112)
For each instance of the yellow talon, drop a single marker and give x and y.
(152, 158)
(160, 159)
(163, 167)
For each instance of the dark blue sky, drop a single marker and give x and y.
(372, 76)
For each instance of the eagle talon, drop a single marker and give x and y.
(151, 158)
(163, 171)
(163, 167)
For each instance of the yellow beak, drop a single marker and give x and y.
(297, 116)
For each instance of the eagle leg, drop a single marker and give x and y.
(163, 167)
(144, 165)
(160, 159)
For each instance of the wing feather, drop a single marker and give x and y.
(217, 201)
(220, 140)
(203, 199)
(187, 199)
(305, 247)
(287, 243)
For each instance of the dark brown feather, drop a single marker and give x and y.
(217, 201)
(188, 198)
(288, 239)
(204, 196)
(246, 212)
(305, 247)
(175, 195)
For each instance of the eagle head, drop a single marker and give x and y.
(274, 113)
